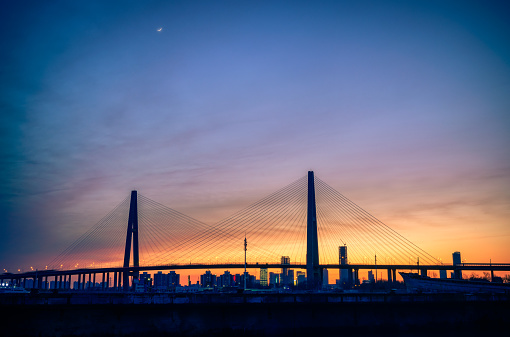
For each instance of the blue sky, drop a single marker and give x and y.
(402, 106)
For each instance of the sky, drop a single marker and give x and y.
(209, 106)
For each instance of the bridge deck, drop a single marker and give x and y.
(464, 266)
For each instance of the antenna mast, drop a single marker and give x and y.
(245, 249)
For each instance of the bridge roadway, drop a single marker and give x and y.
(40, 277)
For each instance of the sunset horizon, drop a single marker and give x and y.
(208, 107)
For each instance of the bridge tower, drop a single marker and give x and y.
(313, 273)
(132, 233)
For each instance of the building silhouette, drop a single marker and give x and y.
(344, 272)
(263, 277)
(208, 280)
(325, 278)
(164, 282)
(226, 280)
(457, 274)
(285, 278)
(301, 279)
(371, 277)
(274, 279)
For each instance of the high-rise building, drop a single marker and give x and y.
(263, 277)
(227, 279)
(174, 279)
(457, 274)
(325, 277)
(301, 278)
(342, 254)
(342, 260)
(290, 277)
(250, 280)
(456, 258)
(371, 276)
(163, 282)
(145, 281)
(160, 281)
(285, 280)
(208, 280)
(145, 277)
(274, 279)
(237, 279)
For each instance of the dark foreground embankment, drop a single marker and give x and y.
(450, 317)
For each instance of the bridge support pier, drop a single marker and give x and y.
(313, 275)
(125, 281)
(350, 277)
(389, 276)
(132, 233)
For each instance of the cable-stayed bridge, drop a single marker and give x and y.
(306, 222)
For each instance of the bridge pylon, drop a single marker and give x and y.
(313, 272)
(132, 234)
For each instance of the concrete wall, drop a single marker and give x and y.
(389, 318)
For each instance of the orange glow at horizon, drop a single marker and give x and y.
(275, 227)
